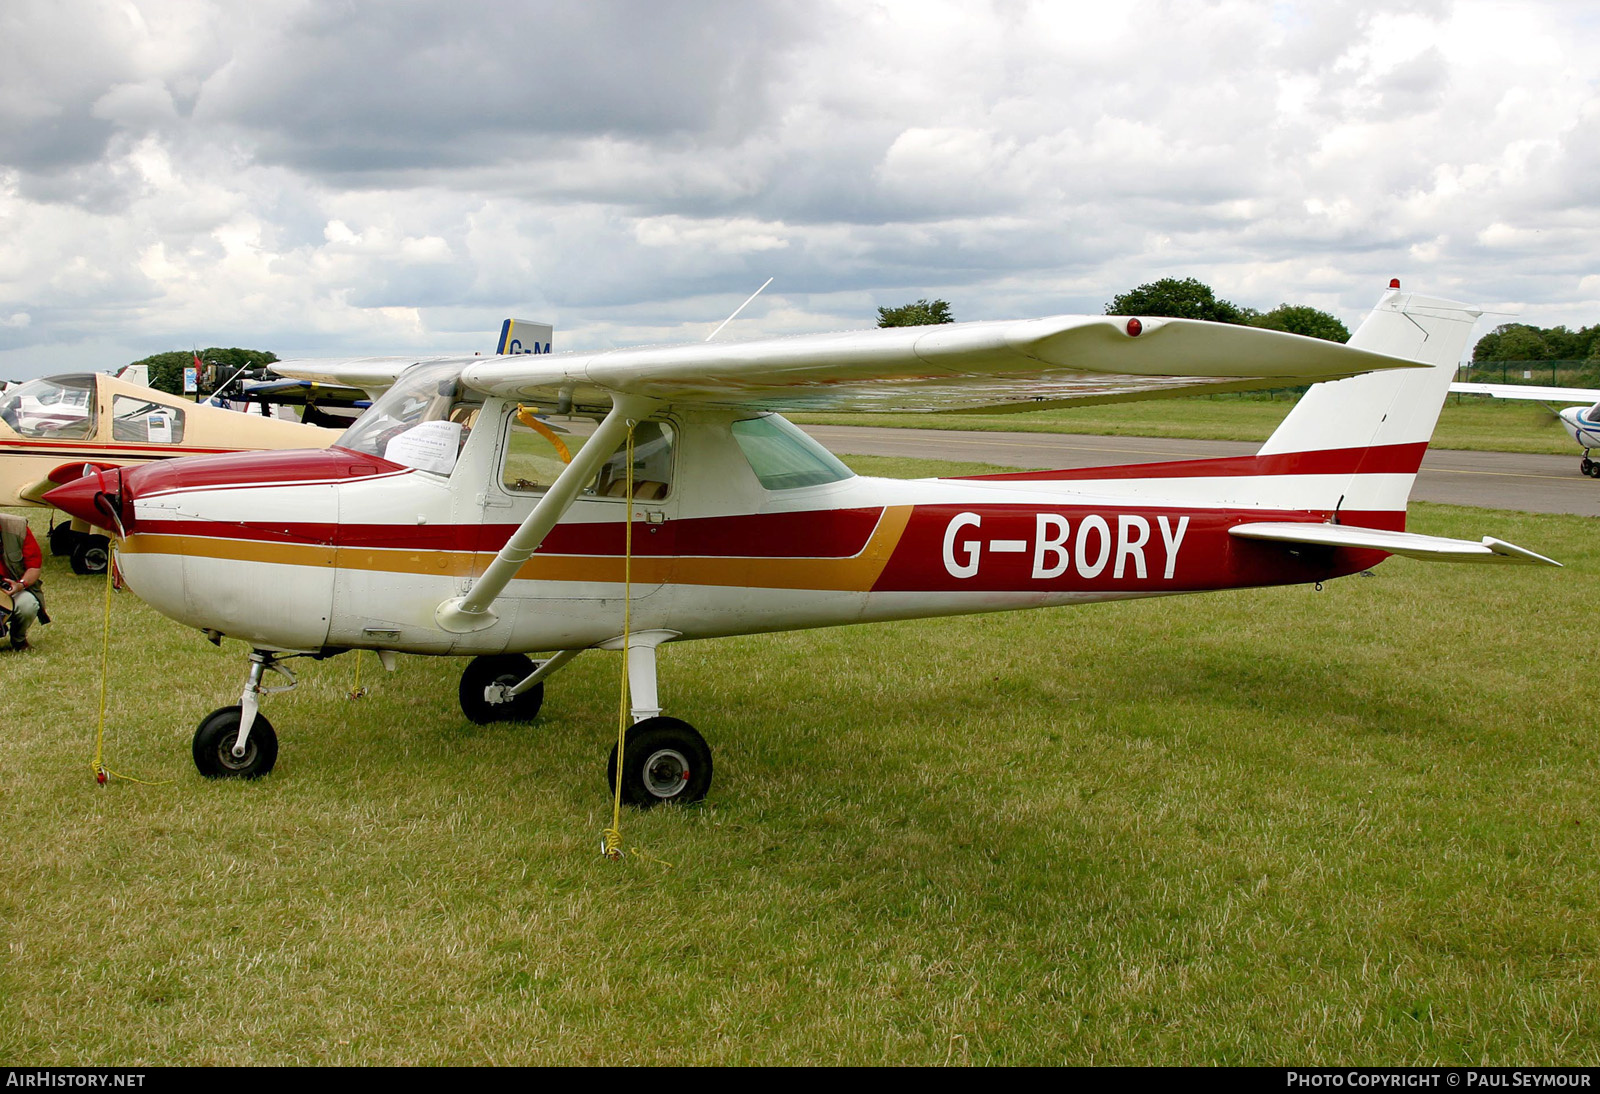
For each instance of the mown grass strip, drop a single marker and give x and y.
(1355, 826)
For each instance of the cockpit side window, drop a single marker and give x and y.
(538, 448)
(783, 456)
(61, 408)
(143, 421)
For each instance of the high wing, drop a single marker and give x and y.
(1573, 395)
(373, 375)
(1003, 365)
(1410, 544)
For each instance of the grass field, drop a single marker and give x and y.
(1354, 826)
(1470, 422)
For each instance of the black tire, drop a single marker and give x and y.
(1586, 465)
(503, 668)
(666, 761)
(213, 746)
(91, 555)
(63, 539)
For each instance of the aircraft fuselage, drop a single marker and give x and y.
(337, 549)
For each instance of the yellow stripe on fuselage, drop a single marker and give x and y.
(855, 574)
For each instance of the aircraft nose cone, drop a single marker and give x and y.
(95, 497)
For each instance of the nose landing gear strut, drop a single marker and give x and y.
(238, 742)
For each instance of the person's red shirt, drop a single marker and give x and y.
(32, 557)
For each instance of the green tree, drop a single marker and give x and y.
(1511, 342)
(166, 369)
(924, 313)
(1301, 319)
(1188, 298)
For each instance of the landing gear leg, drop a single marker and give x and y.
(62, 538)
(507, 687)
(663, 759)
(238, 742)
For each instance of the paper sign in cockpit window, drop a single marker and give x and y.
(428, 446)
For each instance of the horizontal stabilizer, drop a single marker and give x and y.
(1410, 544)
(1530, 392)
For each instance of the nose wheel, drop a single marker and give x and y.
(214, 746)
(238, 742)
(663, 760)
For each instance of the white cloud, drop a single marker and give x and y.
(307, 178)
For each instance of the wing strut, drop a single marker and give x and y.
(473, 612)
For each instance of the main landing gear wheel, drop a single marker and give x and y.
(664, 760)
(1589, 467)
(63, 539)
(91, 555)
(507, 669)
(213, 746)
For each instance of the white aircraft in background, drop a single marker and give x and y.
(1582, 421)
(450, 520)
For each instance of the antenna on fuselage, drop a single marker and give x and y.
(739, 309)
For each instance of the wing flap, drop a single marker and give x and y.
(1410, 544)
(961, 366)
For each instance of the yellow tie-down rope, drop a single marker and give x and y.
(101, 771)
(611, 842)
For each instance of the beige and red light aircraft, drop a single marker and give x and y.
(54, 430)
(662, 499)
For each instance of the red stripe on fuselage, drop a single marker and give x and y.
(30, 447)
(1392, 459)
(833, 533)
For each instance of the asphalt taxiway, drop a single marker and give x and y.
(1494, 480)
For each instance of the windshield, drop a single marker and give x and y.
(422, 421)
(60, 407)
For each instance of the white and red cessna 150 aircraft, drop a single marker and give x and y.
(451, 520)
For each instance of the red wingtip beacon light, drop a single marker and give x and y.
(1394, 282)
(1134, 327)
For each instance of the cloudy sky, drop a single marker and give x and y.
(352, 177)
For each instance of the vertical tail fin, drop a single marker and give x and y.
(524, 336)
(1372, 430)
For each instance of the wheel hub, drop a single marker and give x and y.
(666, 773)
(229, 760)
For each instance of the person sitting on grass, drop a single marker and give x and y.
(20, 566)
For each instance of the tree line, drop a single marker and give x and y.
(166, 369)
(1524, 342)
(1171, 297)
